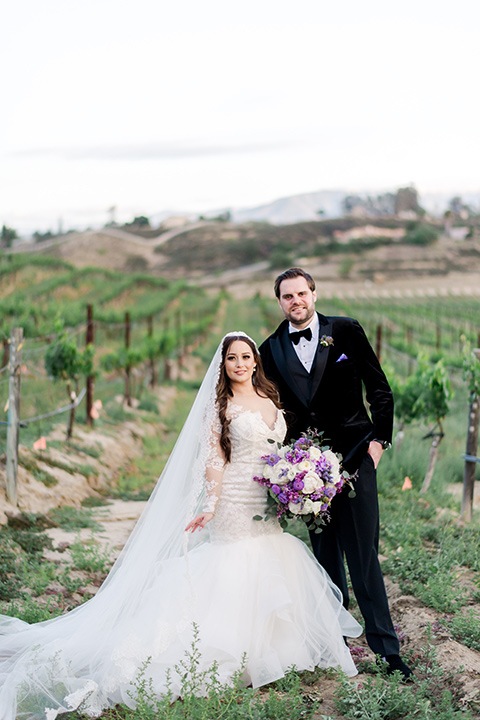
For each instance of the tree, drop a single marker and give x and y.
(139, 221)
(64, 361)
(421, 235)
(7, 236)
(123, 360)
(424, 395)
(432, 405)
(39, 237)
(405, 392)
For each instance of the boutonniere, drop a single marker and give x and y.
(326, 340)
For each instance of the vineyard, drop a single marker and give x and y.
(152, 339)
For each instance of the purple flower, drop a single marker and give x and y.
(283, 498)
(273, 459)
(302, 443)
(298, 485)
(275, 489)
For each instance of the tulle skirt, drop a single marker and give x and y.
(258, 605)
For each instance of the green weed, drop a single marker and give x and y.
(465, 629)
(37, 576)
(383, 697)
(203, 697)
(31, 611)
(45, 477)
(11, 564)
(93, 502)
(149, 406)
(72, 518)
(89, 557)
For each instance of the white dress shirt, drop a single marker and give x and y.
(306, 349)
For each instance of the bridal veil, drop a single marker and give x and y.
(51, 667)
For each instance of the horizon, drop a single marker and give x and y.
(195, 108)
(156, 218)
(103, 218)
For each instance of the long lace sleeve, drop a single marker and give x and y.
(214, 468)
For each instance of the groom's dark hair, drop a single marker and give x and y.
(293, 273)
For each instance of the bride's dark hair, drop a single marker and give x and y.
(263, 387)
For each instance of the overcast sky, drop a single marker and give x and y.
(151, 105)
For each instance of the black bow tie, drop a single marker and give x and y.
(295, 336)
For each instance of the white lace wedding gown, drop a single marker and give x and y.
(251, 590)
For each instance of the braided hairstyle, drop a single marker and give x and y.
(263, 388)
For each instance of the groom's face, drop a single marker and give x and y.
(297, 301)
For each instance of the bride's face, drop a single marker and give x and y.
(239, 363)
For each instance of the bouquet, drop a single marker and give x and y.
(302, 479)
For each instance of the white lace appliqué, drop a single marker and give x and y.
(241, 498)
(214, 466)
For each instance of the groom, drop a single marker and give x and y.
(320, 366)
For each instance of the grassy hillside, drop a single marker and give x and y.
(218, 246)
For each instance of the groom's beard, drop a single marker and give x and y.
(300, 320)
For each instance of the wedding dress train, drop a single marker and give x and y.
(251, 590)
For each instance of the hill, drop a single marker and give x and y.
(213, 252)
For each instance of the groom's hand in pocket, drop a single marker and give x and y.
(375, 450)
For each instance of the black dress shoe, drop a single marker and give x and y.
(395, 662)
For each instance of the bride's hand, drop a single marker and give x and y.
(199, 522)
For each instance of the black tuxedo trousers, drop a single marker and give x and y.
(330, 399)
(352, 533)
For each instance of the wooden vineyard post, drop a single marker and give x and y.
(409, 338)
(153, 370)
(6, 352)
(89, 339)
(16, 342)
(471, 458)
(181, 349)
(128, 397)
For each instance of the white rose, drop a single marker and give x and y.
(291, 474)
(281, 472)
(310, 483)
(334, 462)
(295, 508)
(314, 452)
(307, 507)
(281, 451)
(268, 472)
(316, 507)
(305, 466)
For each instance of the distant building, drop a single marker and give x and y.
(403, 204)
(458, 233)
(406, 203)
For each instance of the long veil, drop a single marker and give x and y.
(45, 668)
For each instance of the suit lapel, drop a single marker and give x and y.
(322, 354)
(276, 344)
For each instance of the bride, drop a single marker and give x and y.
(248, 588)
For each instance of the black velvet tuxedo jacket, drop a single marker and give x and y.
(331, 397)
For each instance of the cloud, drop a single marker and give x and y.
(149, 151)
